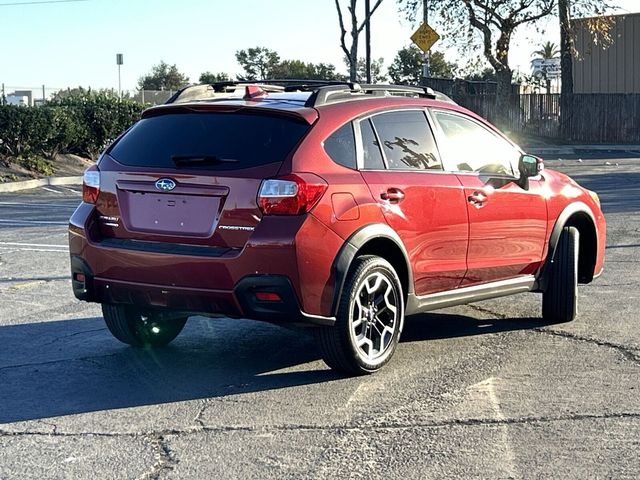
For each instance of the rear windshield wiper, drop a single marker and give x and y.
(195, 160)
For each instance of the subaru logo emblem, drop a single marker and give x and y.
(165, 184)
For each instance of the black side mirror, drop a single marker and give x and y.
(529, 166)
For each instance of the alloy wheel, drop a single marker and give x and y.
(374, 317)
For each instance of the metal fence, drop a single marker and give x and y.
(589, 118)
(455, 86)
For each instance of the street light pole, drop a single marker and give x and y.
(119, 61)
(367, 12)
(425, 66)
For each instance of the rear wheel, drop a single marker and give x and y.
(369, 320)
(560, 300)
(140, 328)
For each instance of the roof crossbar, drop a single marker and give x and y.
(323, 92)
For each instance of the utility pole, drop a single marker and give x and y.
(427, 55)
(44, 96)
(3, 100)
(367, 32)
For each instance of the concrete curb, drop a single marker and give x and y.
(39, 182)
(582, 149)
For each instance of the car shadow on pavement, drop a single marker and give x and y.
(68, 367)
(434, 326)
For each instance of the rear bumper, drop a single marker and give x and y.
(241, 302)
(193, 283)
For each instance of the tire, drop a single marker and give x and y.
(560, 299)
(141, 328)
(364, 338)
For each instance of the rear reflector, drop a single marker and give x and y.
(91, 184)
(268, 297)
(291, 194)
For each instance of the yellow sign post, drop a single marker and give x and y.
(425, 37)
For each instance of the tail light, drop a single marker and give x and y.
(291, 194)
(91, 184)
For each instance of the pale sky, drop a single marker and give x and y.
(74, 44)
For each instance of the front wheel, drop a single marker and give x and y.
(139, 328)
(369, 319)
(560, 300)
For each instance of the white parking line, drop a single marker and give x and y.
(29, 205)
(42, 245)
(14, 249)
(30, 222)
(51, 190)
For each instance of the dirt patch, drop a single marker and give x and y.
(63, 166)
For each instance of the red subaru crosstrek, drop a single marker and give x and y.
(341, 207)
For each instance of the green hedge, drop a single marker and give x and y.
(82, 123)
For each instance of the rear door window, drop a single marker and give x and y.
(236, 140)
(407, 140)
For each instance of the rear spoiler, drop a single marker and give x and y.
(305, 114)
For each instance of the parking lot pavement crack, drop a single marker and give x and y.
(165, 459)
(486, 311)
(57, 339)
(198, 418)
(628, 353)
(168, 457)
(52, 362)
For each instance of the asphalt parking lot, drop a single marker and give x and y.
(478, 391)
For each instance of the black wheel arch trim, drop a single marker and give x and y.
(568, 212)
(350, 249)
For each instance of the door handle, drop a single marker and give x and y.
(393, 195)
(477, 199)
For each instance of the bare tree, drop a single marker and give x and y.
(356, 28)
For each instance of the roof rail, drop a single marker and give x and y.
(347, 91)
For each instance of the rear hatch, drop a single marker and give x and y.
(183, 180)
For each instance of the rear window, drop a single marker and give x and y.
(239, 140)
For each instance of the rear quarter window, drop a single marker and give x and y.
(248, 140)
(341, 146)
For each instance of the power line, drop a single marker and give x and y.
(13, 4)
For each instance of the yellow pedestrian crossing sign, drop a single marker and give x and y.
(425, 37)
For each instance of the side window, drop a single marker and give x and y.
(372, 156)
(407, 141)
(470, 147)
(341, 146)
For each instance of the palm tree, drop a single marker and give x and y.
(547, 51)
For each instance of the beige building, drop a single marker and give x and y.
(611, 69)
